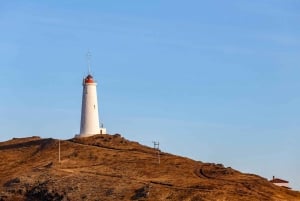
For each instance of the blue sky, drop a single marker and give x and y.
(216, 81)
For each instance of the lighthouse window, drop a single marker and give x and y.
(94, 107)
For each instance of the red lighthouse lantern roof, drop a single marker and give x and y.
(89, 79)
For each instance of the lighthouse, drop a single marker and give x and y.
(89, 124)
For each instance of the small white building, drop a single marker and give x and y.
(280, 182)
(89, 124)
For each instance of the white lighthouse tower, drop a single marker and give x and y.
(89, 110)
(89, 124)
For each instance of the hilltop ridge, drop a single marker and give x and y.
(110, 167)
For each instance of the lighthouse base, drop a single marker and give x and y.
(101, 131)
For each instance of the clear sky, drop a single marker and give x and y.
(216, 81)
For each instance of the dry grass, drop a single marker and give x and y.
(109, 167)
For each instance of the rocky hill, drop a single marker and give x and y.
(109, 167)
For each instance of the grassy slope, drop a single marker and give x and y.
(106, 167)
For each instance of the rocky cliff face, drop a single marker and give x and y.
(109, 167)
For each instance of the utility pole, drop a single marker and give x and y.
(156, 146)
(59, 150)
